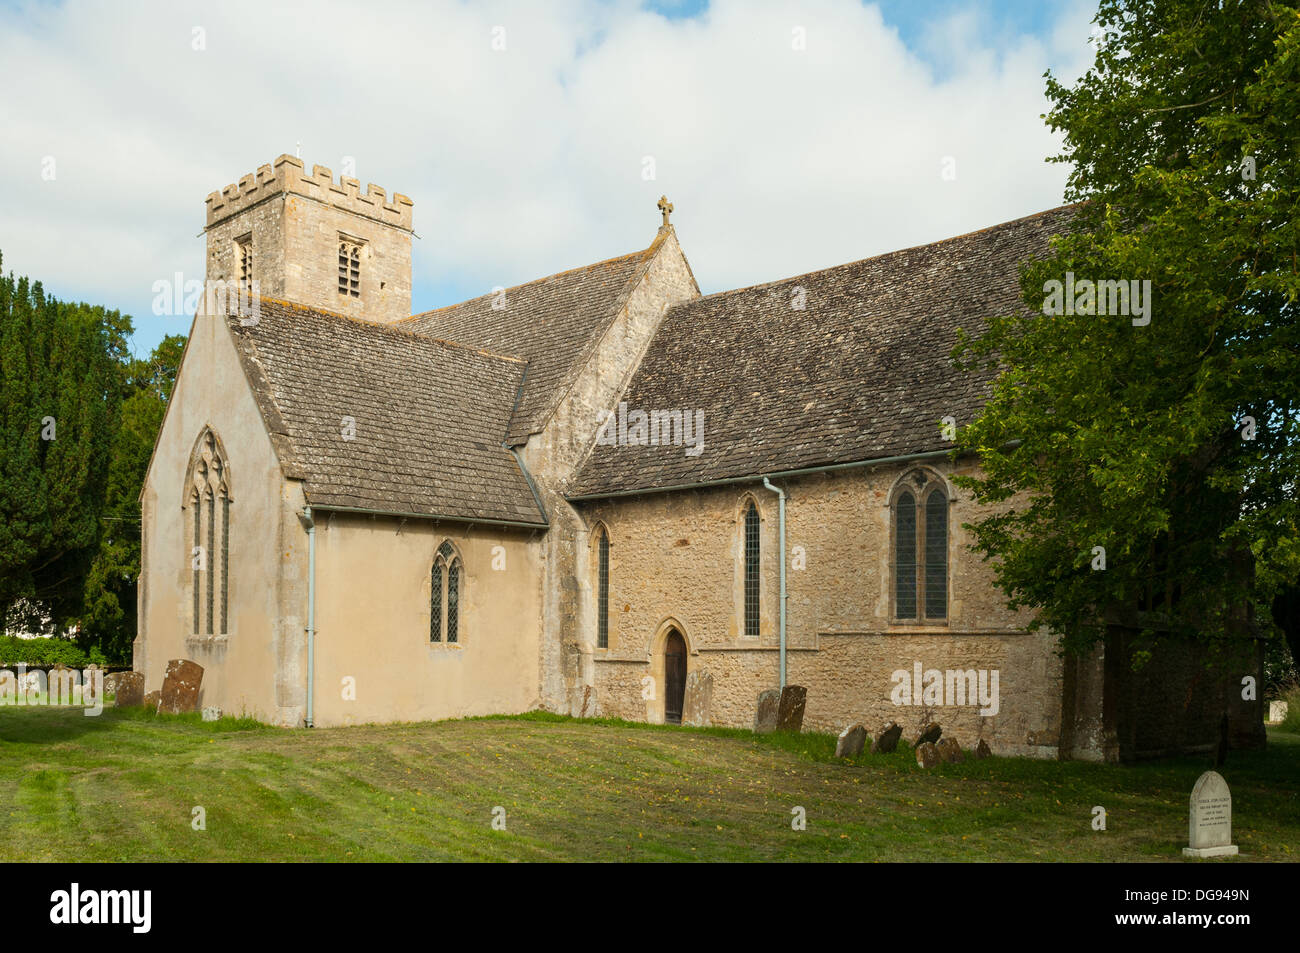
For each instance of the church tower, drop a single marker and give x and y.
(313, 241)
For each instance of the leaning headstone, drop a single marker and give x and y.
(790, 715)
(128, 687)
(769, 706)
(1276, 712)
(212, 713)
(982, 750)
(1209, 829)
(927, 755)
(851, 742)
(180, 691)
(698, 699)
(950, 751)
(887, 741)
(153, 699)
(929, 733)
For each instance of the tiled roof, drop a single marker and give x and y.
(864, 372)
(430, 416)
(552, 323)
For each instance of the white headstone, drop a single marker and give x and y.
(1209, 831)
(1276, 712)
(212, 713)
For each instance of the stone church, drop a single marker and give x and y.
(572, 494)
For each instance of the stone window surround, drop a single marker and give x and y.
(920, 623)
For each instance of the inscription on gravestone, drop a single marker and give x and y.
(1209, 830)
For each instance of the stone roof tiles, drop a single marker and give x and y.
(553, 323)
(862, 372)
(429, 417)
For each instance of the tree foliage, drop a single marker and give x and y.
(1174, 446)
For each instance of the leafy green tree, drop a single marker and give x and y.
(1173, 445)
(108, 619)
(59, 397)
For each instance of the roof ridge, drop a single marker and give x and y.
(413, 335)
(593, 342)
(888, 254)
(525, 284)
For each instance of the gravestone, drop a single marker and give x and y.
(128, 687)
(929, 733)
(769, 706)
(982, 750)
(92, 680)
(153, 699)
(212, 713)
(1277, 712)
(927, 755)
(950, 751)
(851, 742)
(698, 700)
(790, 715)
(887, 741)
(180, 691)
(1209, 829)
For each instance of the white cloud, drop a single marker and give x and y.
(527, 161)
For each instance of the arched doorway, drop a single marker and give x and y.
(674, 677)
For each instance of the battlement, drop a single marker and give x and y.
(286, 175)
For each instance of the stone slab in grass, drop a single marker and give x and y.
(769, 706)
(887, 741)
(851, 742)
(927, 755)
(180, 691)
(789, 717)
(127, 687)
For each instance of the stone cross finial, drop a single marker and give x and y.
(666, 207)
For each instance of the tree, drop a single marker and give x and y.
(58, 406)
(1168, 449)
(108, 618)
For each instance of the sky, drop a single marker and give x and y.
(532, 138)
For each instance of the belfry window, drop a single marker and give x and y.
(244, 253)
(349, 268)
(208, 497)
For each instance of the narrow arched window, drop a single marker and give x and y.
(208, 497)
(602, 590)
(445, 592)
(905, 556)
(920, 549)
(751, 568)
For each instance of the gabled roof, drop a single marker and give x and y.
(430, 416)
(552, 323)
(864, 372)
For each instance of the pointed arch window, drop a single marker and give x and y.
(920, 548)
(445, 593)
(602, 589)
(752, 553)
(208, 498)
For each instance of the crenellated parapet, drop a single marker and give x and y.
(287, 175)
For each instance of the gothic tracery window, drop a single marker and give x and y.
(445, 592)
(208, 498)
(350, 268)
(920, 548)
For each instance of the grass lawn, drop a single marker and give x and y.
(122, 786)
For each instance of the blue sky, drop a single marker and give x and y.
(528, 161)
